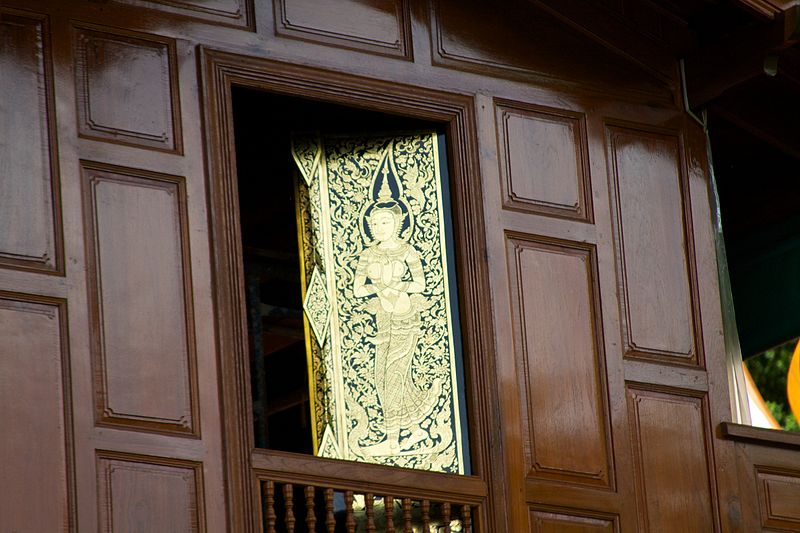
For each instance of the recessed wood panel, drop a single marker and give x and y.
(380, 26)
(543, 160)
(226, 12)
(127, 89)
(779, 494)
(35, 447)
(671, 461)
(141, 299)
(559, 522)
(556, 311)
(653, 229)
(138, 494)
(522, 41)
(29, 210)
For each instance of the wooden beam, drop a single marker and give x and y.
(715, 68)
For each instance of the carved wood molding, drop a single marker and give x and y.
(220, 72)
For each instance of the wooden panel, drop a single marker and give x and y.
(522, 40)
(544, 160)
(671, 462)
(227, 12)
(556, 312)
(653, 229)
(29, 205)
(140, 292)
(35, 447)
(381, 26)
(138, 493)
(127, 89)
(779, 494)
(559, 522)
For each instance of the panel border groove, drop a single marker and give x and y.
(696, 356)
(403, 49)
(589, 251)
(104, 416)
(584, 211)
(87, 129)
(60, 305)
(40, 264)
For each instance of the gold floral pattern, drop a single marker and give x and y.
(384, 383)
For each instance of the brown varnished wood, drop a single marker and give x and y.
(30, 208)
(556, 311)
(283, 466)
(544, 165)
(35, 408)
(140, 281)
(461, 61)
(146, 114)
(139, 493)
(674, 470)
(378, 26)
(654, 244)
(545, 521)
(226, 12)
(779, 497)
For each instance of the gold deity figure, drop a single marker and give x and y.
(389, 273)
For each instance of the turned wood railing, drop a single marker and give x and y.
(312, 495)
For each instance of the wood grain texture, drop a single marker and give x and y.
(544, 161)
(556, 306)
(655, 247)
(779, 498)
(127, 88)
(30, 211)
(36, 453)
(140, 493)
(377, 26)
(545, 521)
(223, 12)
(672, 461)
(535, 46)
(140, 293)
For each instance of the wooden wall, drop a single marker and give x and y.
(595, 355)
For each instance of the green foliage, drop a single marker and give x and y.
(770, 370)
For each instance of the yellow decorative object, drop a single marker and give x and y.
(383, 358)
(793, 383)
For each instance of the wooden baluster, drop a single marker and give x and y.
(288, 496)
(311, 516)
(446, 516)
(426, 516)
(350, 521)
(466, 518)
(330, 521)
(369, 503)
(407, 516)
(269, 489)
(388, 509)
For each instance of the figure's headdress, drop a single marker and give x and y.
(386, 192)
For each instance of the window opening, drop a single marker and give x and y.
(382, 303)
(758, 195)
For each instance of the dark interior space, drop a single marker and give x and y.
(264, 123)
(759, 196)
